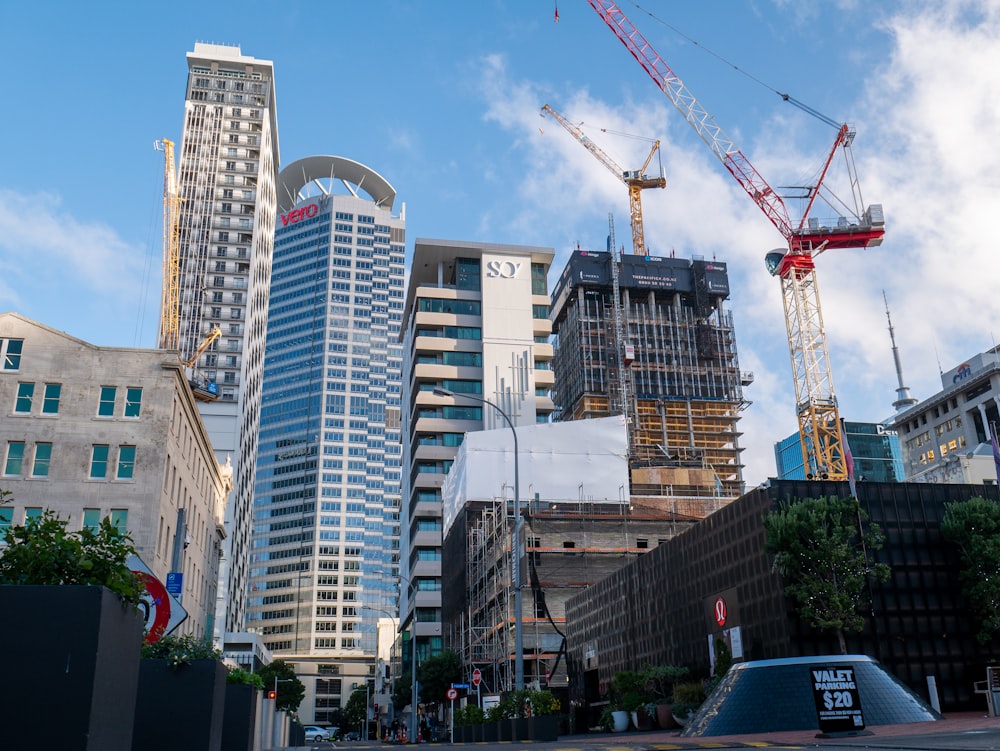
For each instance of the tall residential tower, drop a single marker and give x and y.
(325, 562)
(476, 325)
(226, 181)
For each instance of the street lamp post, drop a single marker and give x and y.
(413, 667)
(515, 542)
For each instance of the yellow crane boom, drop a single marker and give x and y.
(170, 303)
(636, 180)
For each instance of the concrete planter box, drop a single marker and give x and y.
(180, 708)
(75, 650)
(543, 728)
(240, 718)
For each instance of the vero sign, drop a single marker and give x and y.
(297, 215)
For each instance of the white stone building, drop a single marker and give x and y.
(93, 432)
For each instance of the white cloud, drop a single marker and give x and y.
(927, 129)
(49, 255)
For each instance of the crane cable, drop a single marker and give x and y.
(786, 97)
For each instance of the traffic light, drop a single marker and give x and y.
(376, 709)
(272, 694)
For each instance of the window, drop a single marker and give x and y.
(119, 519)
(641, 543)
(6, 519)
(126, 462)
(10, 351)
(99, 461)
(25, 392)
(106, 406)
(34, 512)
(15, 457)
(50, 400)
(133, 401)
(91, 519)
(43, 455)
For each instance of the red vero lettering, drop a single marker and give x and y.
(297, 215)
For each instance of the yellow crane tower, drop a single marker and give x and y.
(636, 180)
(170, 304)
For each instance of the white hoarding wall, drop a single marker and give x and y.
(579, 460)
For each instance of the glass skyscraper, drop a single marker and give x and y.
(325, 561)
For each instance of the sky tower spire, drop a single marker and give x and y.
(903, 398)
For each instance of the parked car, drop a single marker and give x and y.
(352, 736)
(316, 733)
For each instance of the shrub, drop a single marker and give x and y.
(43, 552)
(241, 676)
(181, 650)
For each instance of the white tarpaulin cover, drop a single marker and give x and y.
(577, 460)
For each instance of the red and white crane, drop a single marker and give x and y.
(856, 226)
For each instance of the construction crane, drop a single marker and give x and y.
(818, 416)
(203, 388)
(170, 307)
(636, 180)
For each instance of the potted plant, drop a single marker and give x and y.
(659, 681)
(239, 720)
(543, 724)
(180, 676)
(628, 690)
(688, 697)
(75, 603)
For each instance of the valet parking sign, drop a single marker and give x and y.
(838, 704)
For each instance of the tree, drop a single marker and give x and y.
(291, 692)
(44, 552)
(436, 674)
(974, 527)
(357, 708)
(402, 690)
(821, 552)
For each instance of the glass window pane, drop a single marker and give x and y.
(43, 455)
(106, 407)
(119, 518)
(15, 457)
(25, 391)
(126, 462)
(11, 353)
(99, 462)
(133, 401)
(32, 513)
(91, 518)
(6, 519)
(50, 402)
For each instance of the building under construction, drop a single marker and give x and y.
(578, 527)
(648, 337)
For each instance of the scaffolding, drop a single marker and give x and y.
(685, 381)
(567, 546)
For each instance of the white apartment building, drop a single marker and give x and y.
(946, 437)
(476, 324)
(226, 180)
(94, 432)
(325, 561)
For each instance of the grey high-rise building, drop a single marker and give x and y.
(226, 183)
(325, 565)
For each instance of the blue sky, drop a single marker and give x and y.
(442, 98)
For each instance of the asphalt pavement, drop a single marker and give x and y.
(956, 732)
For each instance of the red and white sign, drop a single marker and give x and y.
(477, 677)
(297, 215)
(452, 694)
(721, 611)
(161, 610)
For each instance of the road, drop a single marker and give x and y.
(964, 732)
